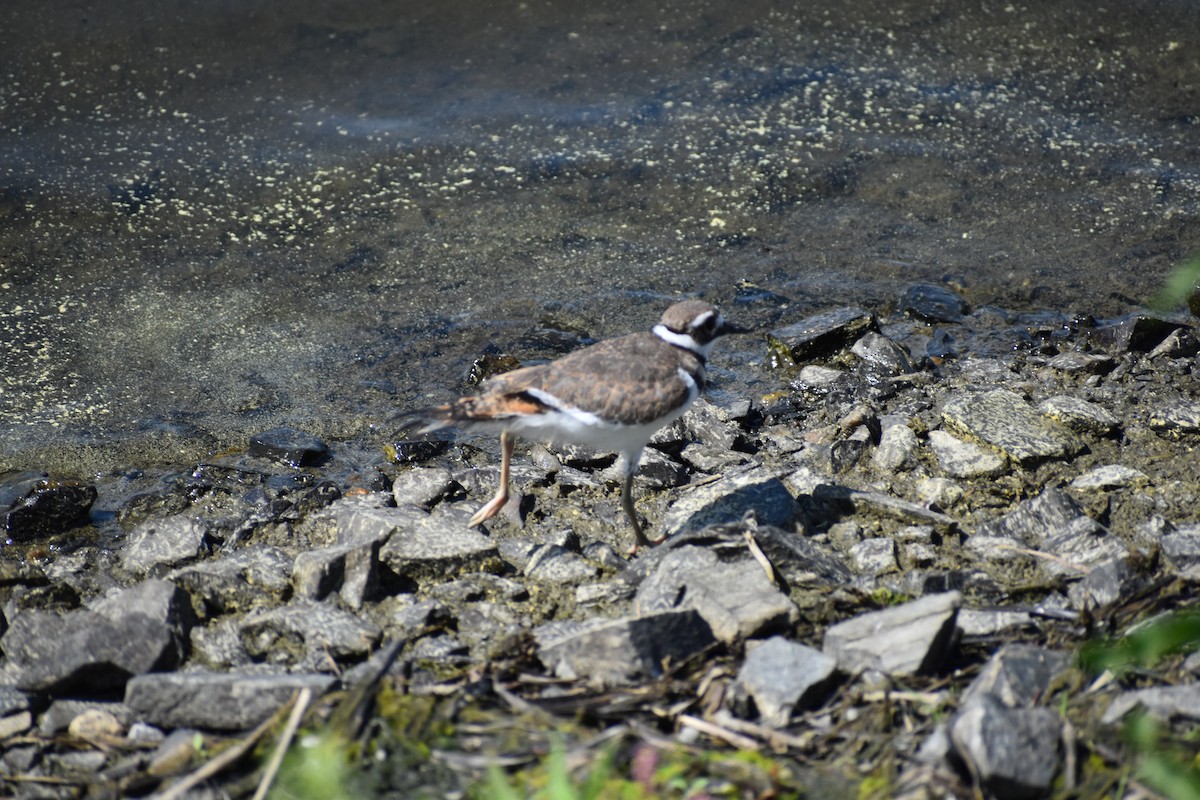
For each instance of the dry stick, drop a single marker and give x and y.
(717, 732)
(760, 557)
(227, 757)
(285, 741)
(1048, 556)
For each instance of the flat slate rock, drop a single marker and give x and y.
(1182, 549)
(910, 638)
(821, 334)
(1018, 675)
(306, 632)
(1013, 751)
(1110, 476)
(351, 569)
(621, 651)
(1079, 415)
(1164, 703)
(425, 546)
(288, 446)
(1034, 521)
(960, 459)
(1176, 417)
(727, 499)
(781, 677)
(933, 303)
(169, 541)
(84, 651)
(897, 445)
(735, 598)
(249, 578)
(1004, 420)
(215, 700)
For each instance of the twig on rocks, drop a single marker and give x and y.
(1047, 556)
(299, 706)
(221, 761)
(718, 732)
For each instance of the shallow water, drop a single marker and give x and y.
(215, 218)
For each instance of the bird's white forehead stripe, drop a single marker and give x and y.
(701, 319)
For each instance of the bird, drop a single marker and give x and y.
(612, 396)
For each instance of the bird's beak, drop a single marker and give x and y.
(728, 327)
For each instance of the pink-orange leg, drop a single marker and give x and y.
(496, 503)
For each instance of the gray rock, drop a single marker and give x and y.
(1112, 476)
(13, 700)
(218, 645)
(600, 594)
(910, 638)
(352, 569)
(1176, 417)
(711, 424)
(1080, 544)
(990, 622)
(422, 486)
(252, 577)
(64, 714)
(1004, 420)
(1164, 703)
(1013, 751)
(657, 470)
(881, 356)
(1074, 361)
(215, 701)
(157, 599)
(897, 446)
(304, 632)
(782, 676)
(360, 520)
(813, 377)
(1105, 584)
(85, 651)
(1034, 521)
(933, 303)
(436, 547)
(838, 499)
(1182, 549)
(820, 335)
(170, 541)
(554, 564)
(939, 492)
(735, 598)
(727, 500)
(873, 557)
(1017, 675)
(1079, 415)
(712, 459)
(960, 459)
(288, 446)
(621, 651)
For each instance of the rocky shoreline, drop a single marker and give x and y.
(879, 574)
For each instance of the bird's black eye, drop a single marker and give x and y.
(706, 324)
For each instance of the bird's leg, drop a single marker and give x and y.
(639, 538)
(497, 502)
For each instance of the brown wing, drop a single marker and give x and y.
(634, 378)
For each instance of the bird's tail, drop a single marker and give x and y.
(434, 418)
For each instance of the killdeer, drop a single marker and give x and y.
(611, 396)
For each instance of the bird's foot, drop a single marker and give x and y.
(488, 511)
